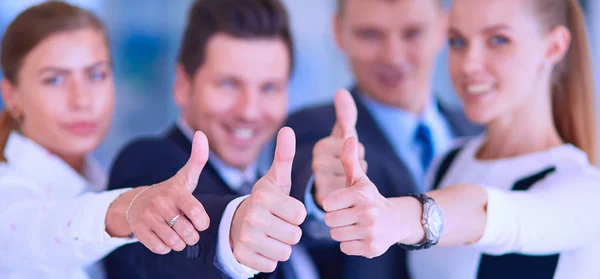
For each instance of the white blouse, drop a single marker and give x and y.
(558, 214)
(52, 220)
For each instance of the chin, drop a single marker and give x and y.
(237, 158)
(81, 147)
(479, 117)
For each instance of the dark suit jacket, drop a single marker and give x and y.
(386, 170)
(152, 160)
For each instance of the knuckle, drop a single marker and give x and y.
(271, 266)
(370, 233)
(296, 235)
(315, 166)
(252, 219)
(364, 165)
(260, 196)
(240, 255)
(195, 211)
(371, 247)
(161, 249)
(244, 239)
(286, 253)
(335, 235)
(187, 231)
(193, 238)
(371, 213)
(172, 241)
(158, 201)
(318, 149)
(299, 216)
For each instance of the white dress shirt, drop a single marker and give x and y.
(558, 214)
(52, 220)
(234, 178)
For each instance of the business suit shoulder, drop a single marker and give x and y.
(312, 124)
(146, 161)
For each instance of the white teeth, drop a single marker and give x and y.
(243, 133)
(481, 88)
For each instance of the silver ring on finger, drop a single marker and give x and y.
(173, 220)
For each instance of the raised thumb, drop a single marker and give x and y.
(280, 172)
(346, 115)
(351, 163)
(190, 173)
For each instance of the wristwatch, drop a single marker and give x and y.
(432, 221)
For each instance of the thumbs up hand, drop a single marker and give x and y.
(148, 210)
(327, 167)
(266, 224)
(365, 222)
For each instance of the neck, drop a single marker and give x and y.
(415, 105)
(525, 131)
(76, 162)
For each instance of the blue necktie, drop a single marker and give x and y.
(425, 140)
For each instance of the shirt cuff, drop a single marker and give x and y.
(499, 222)
(93, 223)
(225, 259)
(315, 226)
(309, 201)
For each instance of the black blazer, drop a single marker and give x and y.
(386, 170)
(152, 160)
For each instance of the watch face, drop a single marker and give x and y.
(435, 220)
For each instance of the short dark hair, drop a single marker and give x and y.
(245, 19)
(341, 3)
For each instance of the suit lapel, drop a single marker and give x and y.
(385, 167)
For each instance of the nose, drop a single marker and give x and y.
(393, 51)
(473, 59)
(248, 105)
(80, 97)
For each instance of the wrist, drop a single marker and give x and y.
(116, 222)
(411, 212)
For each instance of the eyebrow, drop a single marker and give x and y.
(490, 29)
(495, 28)
(66, 71)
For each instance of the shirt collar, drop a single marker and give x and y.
(395, 121)
(48, 169)
(232, 176)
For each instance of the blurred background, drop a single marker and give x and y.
(145, 38)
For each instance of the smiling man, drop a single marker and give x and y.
(391, 47)
(231, 83)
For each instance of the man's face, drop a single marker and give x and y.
(238, 96)
(391, 47)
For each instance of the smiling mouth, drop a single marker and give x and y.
(243, 133)
(479, 88)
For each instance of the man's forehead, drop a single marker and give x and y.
(389, 13)
(342, 4)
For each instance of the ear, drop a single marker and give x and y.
(181, 87)
(8, 94)
(559, 40)
(336, 22)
